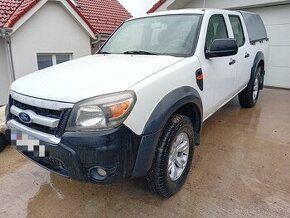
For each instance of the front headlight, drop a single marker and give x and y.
(102, 112)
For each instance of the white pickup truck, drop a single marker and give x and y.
(136, 107)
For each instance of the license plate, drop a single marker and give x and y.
(28, 144)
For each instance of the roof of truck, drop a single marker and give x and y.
(184, 11)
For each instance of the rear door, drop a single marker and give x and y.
(244, 56)
(220, 72)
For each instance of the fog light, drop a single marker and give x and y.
(101, 172)
(98, 173)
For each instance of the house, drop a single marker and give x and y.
(104, 16)
(35, 34)
(276, 16)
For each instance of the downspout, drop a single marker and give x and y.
(6, 34)
(96, 40)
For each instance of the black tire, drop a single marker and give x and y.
(247, 98)
(2, 142)
(158, 179)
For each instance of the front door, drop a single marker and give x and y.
(220, 72)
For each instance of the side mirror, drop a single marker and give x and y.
(221, 48)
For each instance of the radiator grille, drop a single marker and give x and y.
(62, 115)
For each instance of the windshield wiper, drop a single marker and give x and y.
(140, 52)
(104, 52)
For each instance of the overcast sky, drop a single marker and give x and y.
(137, 7)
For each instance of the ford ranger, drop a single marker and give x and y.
(136, 107)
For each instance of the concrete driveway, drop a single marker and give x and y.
(242, 169)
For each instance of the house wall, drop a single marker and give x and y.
(4, 74)
(50, 30)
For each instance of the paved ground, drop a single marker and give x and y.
(240, 170)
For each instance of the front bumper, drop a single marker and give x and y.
(78, 155)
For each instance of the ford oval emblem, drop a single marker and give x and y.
(24, 117)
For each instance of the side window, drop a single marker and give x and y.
(237, 29)
(216, 29)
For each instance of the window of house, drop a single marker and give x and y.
(237, 29)
(216, 29)
(48, 60)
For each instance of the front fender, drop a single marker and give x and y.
(152, 130)
(169, 104)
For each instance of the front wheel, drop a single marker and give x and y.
(173, 157)
(249, 96)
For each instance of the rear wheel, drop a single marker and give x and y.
(249, 96)
(173, 157)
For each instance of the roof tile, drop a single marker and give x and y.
(156, 6)
(7, 8)
(102, 16)
(12, 10)
(25, 6)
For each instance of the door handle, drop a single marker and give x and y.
(232, 61)
(247, 55)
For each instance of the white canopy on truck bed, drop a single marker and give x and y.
(255, 26)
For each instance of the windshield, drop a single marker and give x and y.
(163, 35)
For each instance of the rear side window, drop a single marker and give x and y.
(216, 29)
(237, 29)
(255, 26)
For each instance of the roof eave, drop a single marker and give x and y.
(93, 32)
(73, 11)
(12, 20)
(156, 6)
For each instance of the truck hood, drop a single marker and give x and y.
(90, 76)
